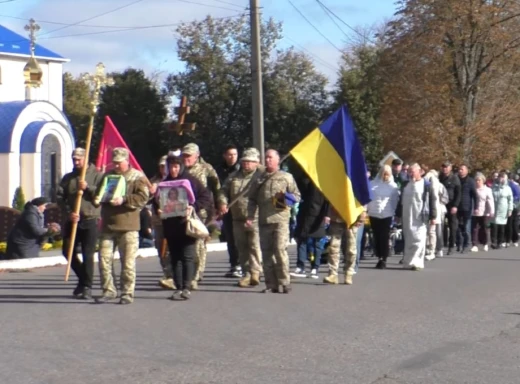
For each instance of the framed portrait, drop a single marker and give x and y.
(174, 197)
(173, 202)
(113, 186)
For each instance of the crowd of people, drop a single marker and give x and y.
(463, 212)
(261, 207)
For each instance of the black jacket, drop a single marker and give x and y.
(175, 227)
(468, 194)
(224, 170)
(452, 184)
(27, 235)
(313, 209)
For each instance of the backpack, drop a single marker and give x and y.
(444, 197)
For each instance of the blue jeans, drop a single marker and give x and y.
(310, 249)
(359, 242)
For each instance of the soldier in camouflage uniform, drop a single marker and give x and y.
(246, 239)
(207, 175)
(167, 280)
(336, 230)
(273, 193)
(120, 227)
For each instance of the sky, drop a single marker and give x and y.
(73, 29)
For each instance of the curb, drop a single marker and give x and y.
(53, 261)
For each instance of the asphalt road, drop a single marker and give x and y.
(458, 321)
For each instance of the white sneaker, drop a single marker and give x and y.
(298, 272)
(474, 249)
(515, 244)
(440, 254)
(430, 257)
(486, 248)
(503, 245)
(314, 274)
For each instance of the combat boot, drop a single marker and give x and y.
(331, 279)
(194, 285)
(348, 279)
(167, 283)
(255, 279)
(245, 282)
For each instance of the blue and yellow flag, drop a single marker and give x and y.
(333, 158)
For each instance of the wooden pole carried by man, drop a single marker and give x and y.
(96, 82)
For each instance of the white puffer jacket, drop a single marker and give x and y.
(385, 199)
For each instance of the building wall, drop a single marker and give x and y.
(12, 86)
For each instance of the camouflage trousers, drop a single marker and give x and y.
(248, 246)
(127, 244)
(336, 232)
(200, 259)
(274, 239)
(165, 261)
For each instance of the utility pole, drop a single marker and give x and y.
(256, 74)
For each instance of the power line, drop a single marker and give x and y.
(331, 18)
(316, 57)
(229, 3)
(341, 20)
(133, 28)
(313, 26)
(92, 18)
(209, 5)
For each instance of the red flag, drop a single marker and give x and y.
(112, 139)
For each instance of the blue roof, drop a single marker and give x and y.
(9, 112)
(11, 43)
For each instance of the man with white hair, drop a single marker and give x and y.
(417, 209)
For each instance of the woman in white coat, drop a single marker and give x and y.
(381, 211)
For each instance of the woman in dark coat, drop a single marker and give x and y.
(28, 233)
(181, 246)
(310, 229)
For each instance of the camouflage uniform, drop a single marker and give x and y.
(273, 224)
(120, 226)
(207, 175)
(336, 229)
(247, 240)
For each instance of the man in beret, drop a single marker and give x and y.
(120, 227)
(87, 219)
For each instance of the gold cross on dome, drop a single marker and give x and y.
(32, 28)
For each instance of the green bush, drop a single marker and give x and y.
(19, 199)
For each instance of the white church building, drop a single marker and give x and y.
(36, 138)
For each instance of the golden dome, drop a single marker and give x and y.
(33, 73)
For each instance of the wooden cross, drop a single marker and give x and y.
(182, 110)
(32, 28)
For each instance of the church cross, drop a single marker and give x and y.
(32, 28)
(96, 82)
(182, 110)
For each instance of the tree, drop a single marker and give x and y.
(452, 80)
(359, 87)
(76, 105)
(139, 111)
(19, 199)
(295, 99)
(217, 82)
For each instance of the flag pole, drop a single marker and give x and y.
(95, 82)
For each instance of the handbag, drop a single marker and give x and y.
(195, 227)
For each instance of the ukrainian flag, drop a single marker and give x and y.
(333, 158)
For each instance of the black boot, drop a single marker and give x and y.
(381, 264)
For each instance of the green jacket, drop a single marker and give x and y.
(68, 190)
